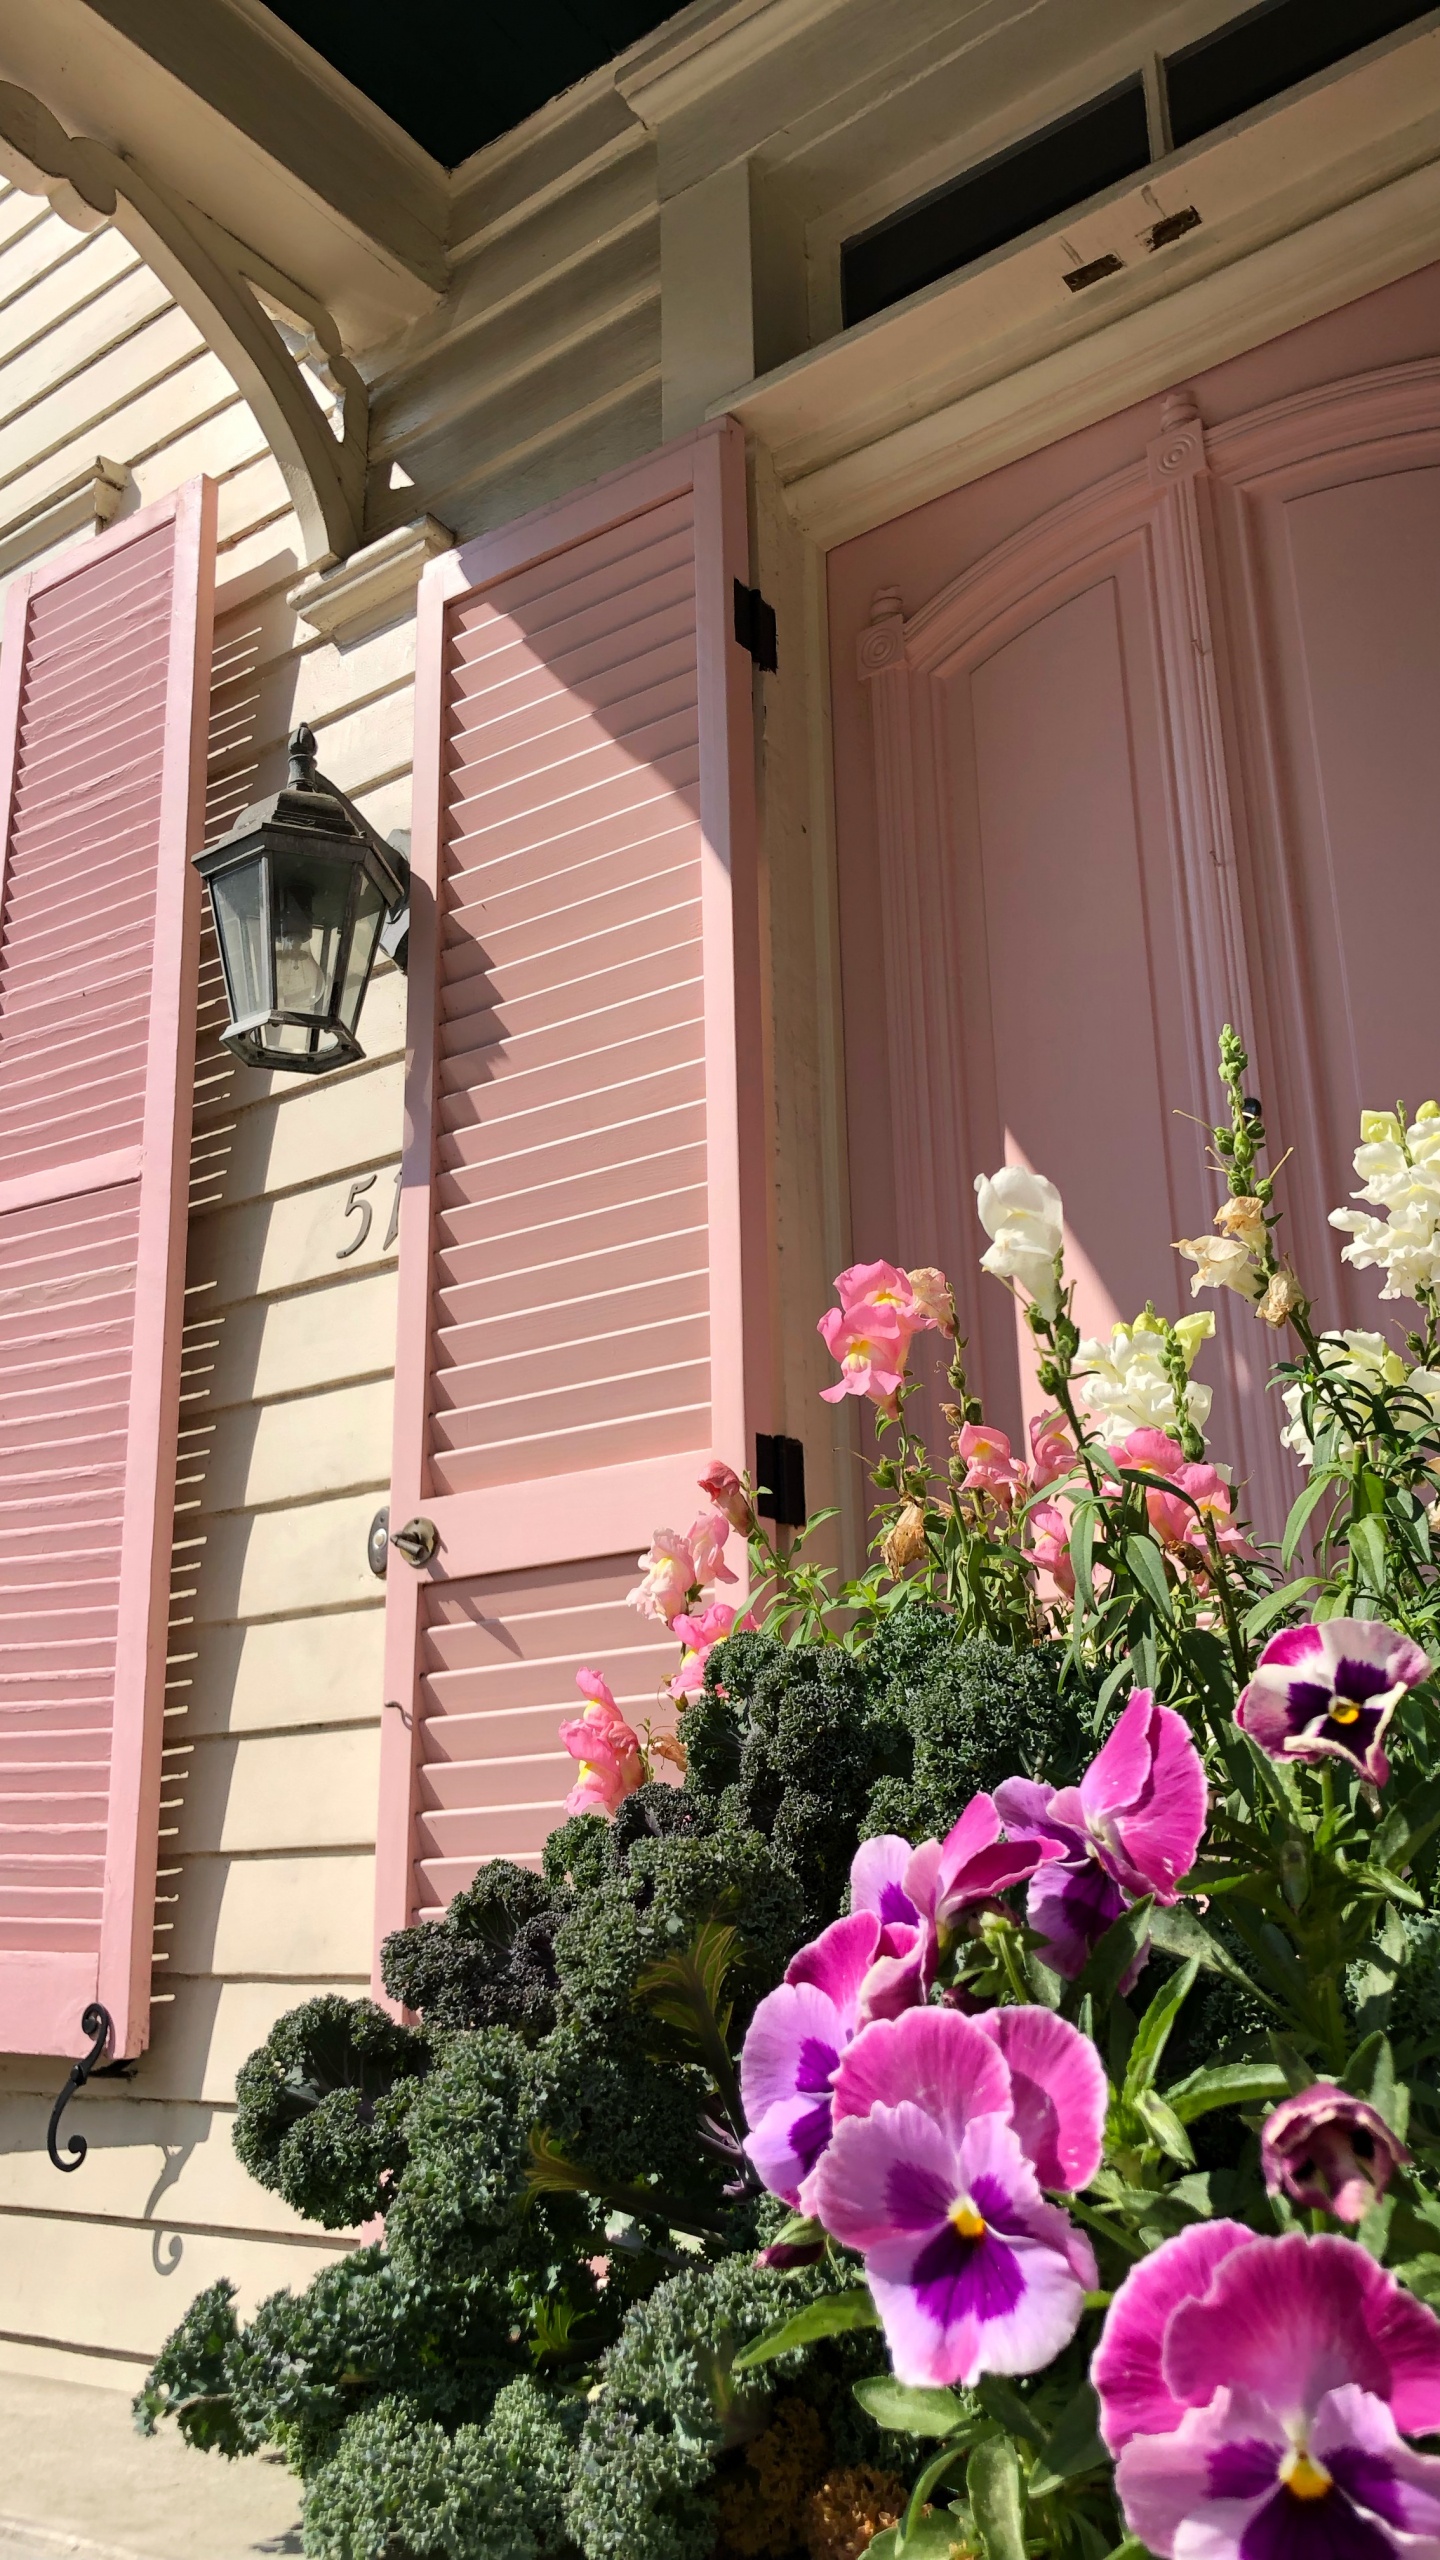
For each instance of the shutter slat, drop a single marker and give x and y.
(574, 1339)
(102, 693)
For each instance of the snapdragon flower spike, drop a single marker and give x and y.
(1327, 2149)
(612, 1764)
(794, 2043)
(1329, 1691)
(1258, 2392)
(928, 2175)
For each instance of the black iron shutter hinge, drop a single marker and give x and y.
(780, 1475)
(755, 628)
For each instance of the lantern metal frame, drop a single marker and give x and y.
(310, 822)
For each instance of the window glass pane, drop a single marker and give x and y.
(1044, 176)
(238, 904)
(311, 898)
(1270, 49)
(370, 915)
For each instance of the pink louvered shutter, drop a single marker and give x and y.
(583, 1272)
(103, 694)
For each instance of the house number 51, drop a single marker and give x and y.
(356, 1205)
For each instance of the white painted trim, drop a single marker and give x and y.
(91, 499)
(952, 384)
(373, 585)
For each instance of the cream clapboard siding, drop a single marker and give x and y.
(269, 1822)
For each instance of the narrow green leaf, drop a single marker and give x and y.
(993, 2484)
(1082, 1550)
(1234, 2084)
(824, 2319)
(1300, 1510)
(1001, 2401)
(1148, 1567)
(912, 2522)
(1072, 2446)
(1274, 1605)
(1367, 1543)
(1153, 2033)
(910, 2408)
(1164, 2127)
(1182, 1933)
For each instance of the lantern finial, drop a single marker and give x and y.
(301, 776)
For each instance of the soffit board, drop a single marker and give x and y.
(233, 113)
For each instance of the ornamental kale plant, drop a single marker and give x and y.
(965, 2080)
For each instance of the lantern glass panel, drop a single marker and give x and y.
(243, 931)
(370, 912)
(310, 899)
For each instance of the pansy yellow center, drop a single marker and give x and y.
(1344, 1711)
(965, 2219)
(1304, 2477)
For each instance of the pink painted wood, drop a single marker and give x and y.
(103, 696)
(1139, 738)
(584, 1314)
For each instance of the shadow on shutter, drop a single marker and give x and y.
(583, 1265)
(103, 693)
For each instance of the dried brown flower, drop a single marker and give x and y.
(905, 1541)
(1244, 1219)
(1281, 1298)
(843, 2516)
(761, 2508)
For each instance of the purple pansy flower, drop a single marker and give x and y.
(1072, 1901)
(944, 2127)
(971, 1867)
(904, 1966)
(1257, 2391)
(795, 2040)
(1331, 1690)
(1131, 1827)
(1328, 2149)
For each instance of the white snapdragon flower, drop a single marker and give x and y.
(1125, 1385)
(1367, 1361)
(1025, 1217)
(1399, 1173)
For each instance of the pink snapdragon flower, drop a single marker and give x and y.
(932, 1294)
(1050, 1545)
(1327, 2149)
(727, 1494)
(1329, 1691)
(870, 1332)
(706, 1539)
(944, 2129)
(612, 1764)
(1052, 1451)
(990, 1465)
(668, 1567)
(871, 1346)
(1258, 2391)
(699, 1634)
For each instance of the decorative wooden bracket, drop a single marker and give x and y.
(262, 325)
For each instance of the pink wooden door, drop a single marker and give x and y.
(1134, 737)
(103, 699)
(583, 1277)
